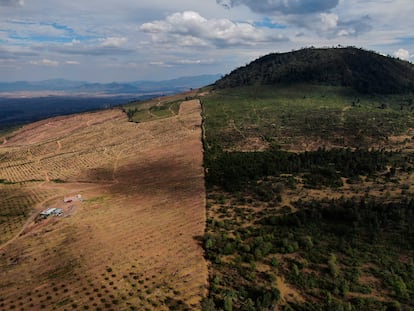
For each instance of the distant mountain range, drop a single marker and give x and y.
(24, 102)
(361, 70)
(136, 87)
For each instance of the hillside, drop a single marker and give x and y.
(364, 71)
(300, 181)
(135, 205)
(309, 173)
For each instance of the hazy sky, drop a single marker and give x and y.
(124, 40)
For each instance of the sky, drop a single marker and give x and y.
(130, 40)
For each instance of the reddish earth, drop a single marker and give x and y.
(134, 242)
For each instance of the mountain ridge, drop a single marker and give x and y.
(365, 71)
(141, 86)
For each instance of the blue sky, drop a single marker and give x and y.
(126, 40)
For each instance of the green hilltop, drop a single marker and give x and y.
(364, 71)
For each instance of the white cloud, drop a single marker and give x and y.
(194, 61)
(189, 28)
(72, 43)
(114, 42)
(329, 20)
(346, 32)
(157, 63)
(45, 62)
(329, 26)
(402, 54)
(180, 62)
(72, 62)
(161, 64)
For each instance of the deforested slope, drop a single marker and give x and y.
(129, 241)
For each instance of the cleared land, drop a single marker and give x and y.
(133, 243)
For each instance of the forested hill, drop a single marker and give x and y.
(364, 71)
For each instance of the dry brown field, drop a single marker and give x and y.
(133, 242)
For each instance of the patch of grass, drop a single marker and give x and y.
(156, 108)
(160, 110)
(287, 116)
(58, 181)
(99, 199)
(6, 132)
(6, 182)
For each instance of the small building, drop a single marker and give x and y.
(51, 212)
(57, 212)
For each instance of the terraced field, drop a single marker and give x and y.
(133, 242)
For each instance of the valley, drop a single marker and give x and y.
(286, 185)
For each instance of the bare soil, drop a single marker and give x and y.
(134, 243)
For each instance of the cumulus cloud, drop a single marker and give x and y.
(191, 29)
(331, 25)
(317, 16)
(45, 62)
(329, 20)
(402, 54)
(11, 2)
(283, 6)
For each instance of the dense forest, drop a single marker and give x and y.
(260, 232)
(230, 170)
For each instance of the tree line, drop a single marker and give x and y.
(230, 170)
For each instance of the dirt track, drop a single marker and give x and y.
(135, 241)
